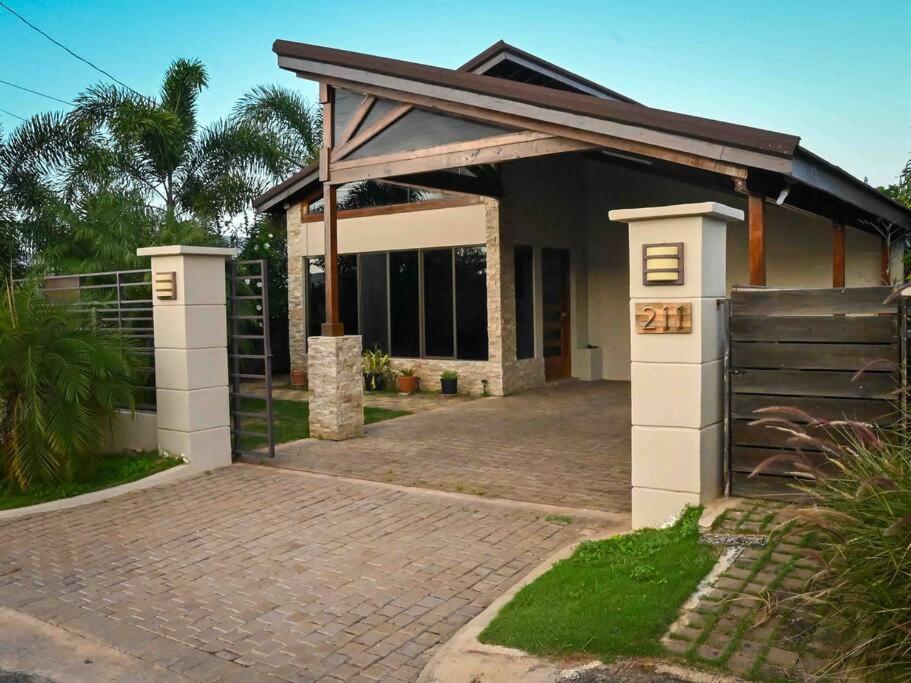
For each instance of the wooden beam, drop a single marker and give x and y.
(357, 119)
(371, 132)
(485, 151)
(390, 209)
(756, 217)
(523, 123)
(333, 326)
(838, 255)
(450, 182)
(885, 265)
(327, 99)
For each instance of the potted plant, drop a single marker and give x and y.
(377, 366)
(449, 383)
(407, 381)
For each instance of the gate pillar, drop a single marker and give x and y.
(191, 358)
(677, 257)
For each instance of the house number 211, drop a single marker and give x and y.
(664, 318)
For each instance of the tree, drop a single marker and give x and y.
(62, 378)
(156, 149)
(900, 191)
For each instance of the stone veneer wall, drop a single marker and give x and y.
(297, 332)
(336, 388)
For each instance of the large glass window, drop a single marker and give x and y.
(471, 303)
(380, 299)
(404, 304)
(347, 294)
(438, 309)
(373, 310)
(525, 302)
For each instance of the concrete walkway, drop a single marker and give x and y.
(564, 444)
(256, 574)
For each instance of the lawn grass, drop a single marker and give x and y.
(291, 420)
(612, 598)
(112, 470)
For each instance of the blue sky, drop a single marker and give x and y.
(835, 73)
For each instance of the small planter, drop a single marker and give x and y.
(298, 379)
(374, 381)
(449, 385)
(407, 385)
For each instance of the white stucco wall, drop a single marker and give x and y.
(798, 250)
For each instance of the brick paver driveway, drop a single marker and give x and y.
(564, 444)
(251, 573)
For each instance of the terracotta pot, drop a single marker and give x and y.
(407, 385)
(299, 378)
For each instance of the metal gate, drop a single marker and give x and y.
(250, 359)
(832, 353)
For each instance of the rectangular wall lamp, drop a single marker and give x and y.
(662, 264)
(166, 285)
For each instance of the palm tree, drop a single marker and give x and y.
(155, 147)
(62, 377)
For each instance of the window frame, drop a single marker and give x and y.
(305, 286)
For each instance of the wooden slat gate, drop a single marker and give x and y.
(803, 348)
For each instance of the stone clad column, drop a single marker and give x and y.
(677, 392)
(191, 356)
(335, 372)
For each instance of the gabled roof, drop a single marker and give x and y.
(503, 60)
(584, 117)
(755, 139)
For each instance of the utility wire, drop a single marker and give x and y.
(50, 97)
(9, 113)
(64, 47)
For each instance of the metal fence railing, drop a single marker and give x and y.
(120, 299)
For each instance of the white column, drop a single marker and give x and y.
(677, 378)
(191, 356)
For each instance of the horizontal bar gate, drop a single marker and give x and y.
(833, 353)
(250, 359)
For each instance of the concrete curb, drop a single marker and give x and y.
(463, 659)
(166, 477)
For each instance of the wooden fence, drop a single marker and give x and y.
(803, 348)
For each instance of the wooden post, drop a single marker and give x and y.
(332, 327)
(756, 218)
(838, 254)
(885, 265)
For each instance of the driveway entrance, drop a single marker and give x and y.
(251, 575)
(567, 444)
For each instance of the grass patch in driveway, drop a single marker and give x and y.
(112, 470)
(291, 420)
(612, 598)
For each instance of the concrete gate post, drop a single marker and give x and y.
(676, 355)
(191, 353)
(335, 371)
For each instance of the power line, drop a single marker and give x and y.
(9, 113)
(50, 97)
(64, 47)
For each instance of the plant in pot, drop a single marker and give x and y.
(377, 367)
(449, 383)
(407, 381)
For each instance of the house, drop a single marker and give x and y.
(472, 213)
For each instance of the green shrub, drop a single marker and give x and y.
(861, 511)
(62, 377)
(449, 374)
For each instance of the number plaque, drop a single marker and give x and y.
(664, 318)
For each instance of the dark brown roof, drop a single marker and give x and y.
(745, 137)
(286, 185)
(502, 46)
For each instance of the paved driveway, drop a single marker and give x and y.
(564, 444)
(251, 573)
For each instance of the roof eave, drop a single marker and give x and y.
(814, 171)
(274, 199)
